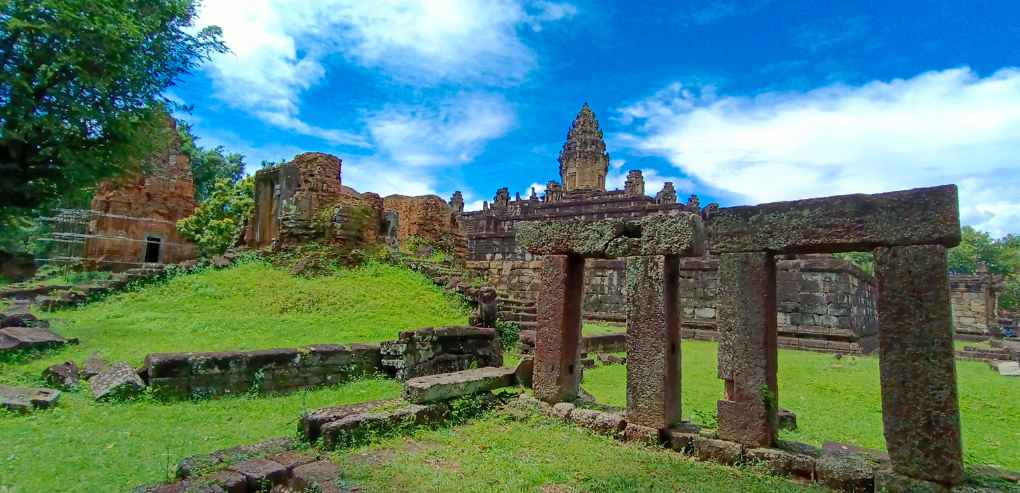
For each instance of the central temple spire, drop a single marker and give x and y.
(583, 160)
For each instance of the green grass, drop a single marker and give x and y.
(498, 454)
(84, 446)
(599, 328)
(840, 400)
(961, 345)
(251, 306)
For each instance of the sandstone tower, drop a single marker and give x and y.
(583, 160)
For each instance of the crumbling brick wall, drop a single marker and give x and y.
(128, 211)
(975, 300)
(304, 200)
(427, 217)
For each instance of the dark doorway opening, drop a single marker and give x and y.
(152, 244)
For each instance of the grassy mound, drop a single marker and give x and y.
(251, 306)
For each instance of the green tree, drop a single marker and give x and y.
(1001, 256)
(81, 89)
(209, 165)
(219, 219)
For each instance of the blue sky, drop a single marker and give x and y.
(740, 102)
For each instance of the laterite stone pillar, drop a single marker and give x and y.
(653, 340)
(920, 411)
(747, 348)
(557, 372)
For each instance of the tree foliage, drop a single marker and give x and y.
(81, 89)
(1001, 256)
(208, 166)
(218, 220)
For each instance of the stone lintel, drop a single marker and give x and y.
(680, 234)
(920, 410)
(747, 348)
(653, 341)
(557, 373)
(841, 223)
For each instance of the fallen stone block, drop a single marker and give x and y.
(851, 473)
(721, 451)
(18, 338)
(562, 409)
(634, 432)
(290, 460)
(782, 461)
(611, 359)
(93, 366)
(787, 420)
(310, 425)
(316, 476)
(18, 316)
(120, 380)
(1007, 368)
(353, 428)
(197, 465)
(523, 372)
(260, 474)
(228, 481)
(62, 375)
(26, 399)
(888, 481)
(446, 386)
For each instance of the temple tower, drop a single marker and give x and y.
(583, 160)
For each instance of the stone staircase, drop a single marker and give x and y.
(523, 312)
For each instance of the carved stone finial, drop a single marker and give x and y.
(457, 202)
(667, 195)
(584, 162)
(635, 184)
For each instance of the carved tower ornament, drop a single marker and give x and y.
(583, 160)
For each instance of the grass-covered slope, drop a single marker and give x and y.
(82, 445)
(251, 306)
(840, 400)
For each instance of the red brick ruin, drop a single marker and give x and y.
(908, 231)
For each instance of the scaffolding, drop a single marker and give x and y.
(86, 238)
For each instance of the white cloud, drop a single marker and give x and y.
(380, 176)
(949, 126)
(452, 133)
(278, 47)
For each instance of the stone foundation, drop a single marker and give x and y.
(441, 350)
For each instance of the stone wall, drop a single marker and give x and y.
(126, 212)
(186, 375)
(304, 200)
(441, 350)
(975, 302)
(427, 217)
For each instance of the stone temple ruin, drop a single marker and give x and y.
(132, 222)
(907, 231)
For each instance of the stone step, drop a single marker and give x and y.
(445, 386)
(518, 317)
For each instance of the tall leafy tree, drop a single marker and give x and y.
(208, 166)
(218, 220)
(81, 89)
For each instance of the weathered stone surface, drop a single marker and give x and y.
(782, 461)
(681, 234)
(446, 386)
(290, 460)
(120, 380)
(557, 373)
(653, 341)
(682, 439)
(920, 411)
(17, 338)
(19, 315)
(431, 351)
(1007, 368)
(26, 399)
(317, 476)
(721, 451)
(563, 409)
(609, 423)
(62, 375)
(350, 429)
(887, 481)
(849, 473)
(747, 348)
(611, 359)
(229, 481)
(310, 425)
(93, 366)
(524, 371)
(261, 473)
(842, 223)
(634, 432)
(199, 464)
